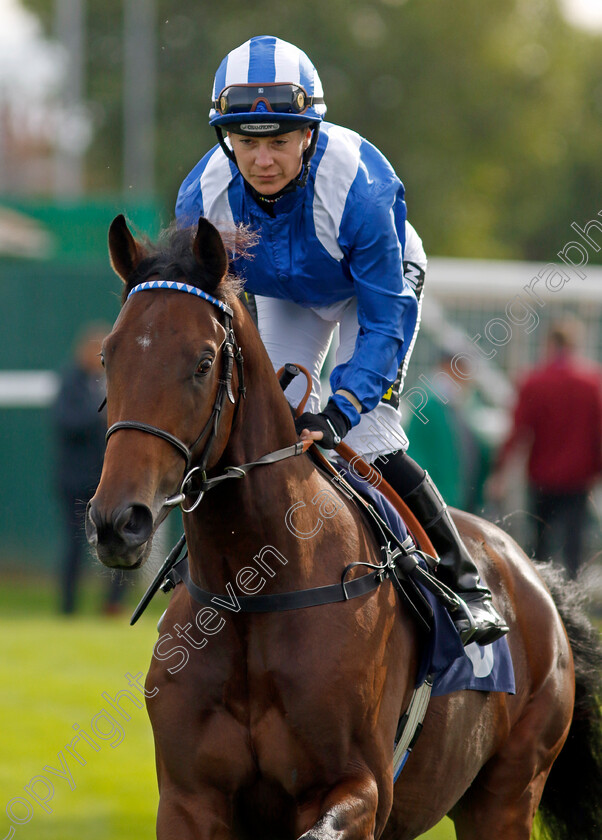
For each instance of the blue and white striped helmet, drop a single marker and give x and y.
(266, 86)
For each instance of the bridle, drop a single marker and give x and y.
(231, 352)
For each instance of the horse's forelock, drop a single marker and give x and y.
(171, 258)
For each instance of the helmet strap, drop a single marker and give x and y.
(222, 141)
(301, 179)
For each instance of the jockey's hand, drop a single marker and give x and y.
(327, 428)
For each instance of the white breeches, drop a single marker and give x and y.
(293, 333)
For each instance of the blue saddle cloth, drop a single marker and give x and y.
(452, 666)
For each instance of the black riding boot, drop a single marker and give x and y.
(456, 567)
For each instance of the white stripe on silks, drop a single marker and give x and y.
(286, 62)
(414, 253)
(319, 92)
(406, 358)
(238, 65)
(214, 188)
(414, 250)
(334, 177)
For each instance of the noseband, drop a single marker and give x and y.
(231, 352)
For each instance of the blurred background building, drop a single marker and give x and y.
(490, 113)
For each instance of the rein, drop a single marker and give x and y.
(232, 472)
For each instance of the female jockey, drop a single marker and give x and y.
(333, 246)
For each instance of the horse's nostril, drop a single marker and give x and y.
(90, 525)
(134, 524)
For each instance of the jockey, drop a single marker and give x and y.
(335, 249)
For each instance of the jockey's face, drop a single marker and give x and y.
(269, 163)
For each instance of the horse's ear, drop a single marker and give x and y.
(209, 250)
(124, 251)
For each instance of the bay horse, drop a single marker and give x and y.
(281, 724)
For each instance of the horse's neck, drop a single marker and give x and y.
(264, 422)
(241, 516)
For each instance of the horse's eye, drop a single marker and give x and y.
(102, 359)
(204, 366)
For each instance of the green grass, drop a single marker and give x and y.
(54, 671)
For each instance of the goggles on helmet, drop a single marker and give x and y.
(276, 97)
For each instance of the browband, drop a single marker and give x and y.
(181, 287)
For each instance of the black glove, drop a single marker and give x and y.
(332, 422)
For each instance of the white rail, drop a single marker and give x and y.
(27, 388)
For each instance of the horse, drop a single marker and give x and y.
(281, 724)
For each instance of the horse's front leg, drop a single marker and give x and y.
(350, 811)
(194, 815)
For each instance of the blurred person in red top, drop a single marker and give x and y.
(558, 421)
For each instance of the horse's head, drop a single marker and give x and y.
(166, 362)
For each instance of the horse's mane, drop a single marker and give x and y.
(171, 256)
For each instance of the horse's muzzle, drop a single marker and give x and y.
(120, 537)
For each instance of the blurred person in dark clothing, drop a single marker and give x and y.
(80, 435)
(558, 421)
